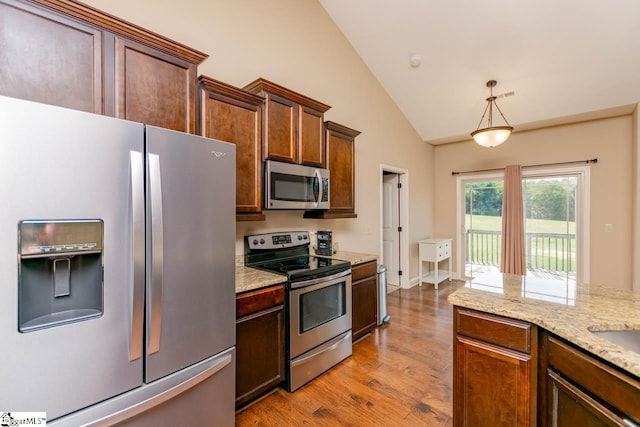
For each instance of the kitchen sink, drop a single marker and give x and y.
(629, 339)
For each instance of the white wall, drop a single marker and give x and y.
(295, 44)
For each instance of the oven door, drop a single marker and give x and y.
(289, 186)
(319, 310)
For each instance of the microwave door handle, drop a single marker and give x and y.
(136, 164)
(157, 256)
(317, 187)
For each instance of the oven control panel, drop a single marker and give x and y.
(278, 240)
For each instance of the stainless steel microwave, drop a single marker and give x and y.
(289, 186)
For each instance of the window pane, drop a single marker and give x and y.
(483, 225)
(550, 226)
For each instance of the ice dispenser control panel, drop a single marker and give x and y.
(50, 237)
(60, 277)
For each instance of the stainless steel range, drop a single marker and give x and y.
(318, 302)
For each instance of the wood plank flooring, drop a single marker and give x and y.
(400, 375)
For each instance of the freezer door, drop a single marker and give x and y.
(59, 164)
(191, 250)
(200, 395)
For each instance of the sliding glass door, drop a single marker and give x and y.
(482, 225)
(550, 226)
(555, 217)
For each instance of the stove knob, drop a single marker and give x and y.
(262, 241)
(305, 237)
(299, 237)
(255, 241)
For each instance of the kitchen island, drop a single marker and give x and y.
(525, 354)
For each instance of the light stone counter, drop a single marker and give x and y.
(249, 279)
(567, 310)
(354, 258)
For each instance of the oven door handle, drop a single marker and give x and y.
(305, 283)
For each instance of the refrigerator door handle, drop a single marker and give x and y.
(137, 213)
(157, 256)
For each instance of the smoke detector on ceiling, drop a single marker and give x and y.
(415, 60)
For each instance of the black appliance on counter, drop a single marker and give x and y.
(317, 302)
(325, 244)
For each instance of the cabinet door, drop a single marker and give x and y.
(340, 161)
(365, 306)
(228, 116)
(153, 87)
(310, 131)
(48, 58)
(260, 354)
(492, 385)
(280, 136)
(569, 406)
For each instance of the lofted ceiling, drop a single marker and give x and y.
(565, 60)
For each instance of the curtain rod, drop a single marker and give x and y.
(529, 166)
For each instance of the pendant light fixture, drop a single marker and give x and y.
(491, 136)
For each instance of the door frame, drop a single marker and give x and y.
(583, 220)
(403, 178)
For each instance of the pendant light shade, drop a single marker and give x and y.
(491, 136)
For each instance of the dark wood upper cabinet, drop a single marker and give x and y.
(311, 145)
(66, 53)
(153, 87)
(293, 130)
(233, 115)
(49, 58)
(340, 160)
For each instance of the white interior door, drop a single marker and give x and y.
(390, 225)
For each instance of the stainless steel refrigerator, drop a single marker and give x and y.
(117, 270)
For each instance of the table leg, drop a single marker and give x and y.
(420, 273)
(435, 267)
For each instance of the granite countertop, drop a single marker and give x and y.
(249, 279)
(354, 258)
(568, 310)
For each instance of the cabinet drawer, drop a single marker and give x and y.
(502, 331)
(362, 271)
(444, 251)
(260, 299)
(606, 383)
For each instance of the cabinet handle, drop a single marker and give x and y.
(628, 422)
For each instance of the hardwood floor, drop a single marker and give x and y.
(399, 375)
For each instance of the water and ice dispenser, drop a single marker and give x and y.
(60, 272)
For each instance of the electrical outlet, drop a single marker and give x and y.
(336, 246)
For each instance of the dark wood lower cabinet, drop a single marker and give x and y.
(364, 297)
(495, 371)
(259, 343)
(511, 373)
(494, 385)
(582, 390)
(569, 406)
